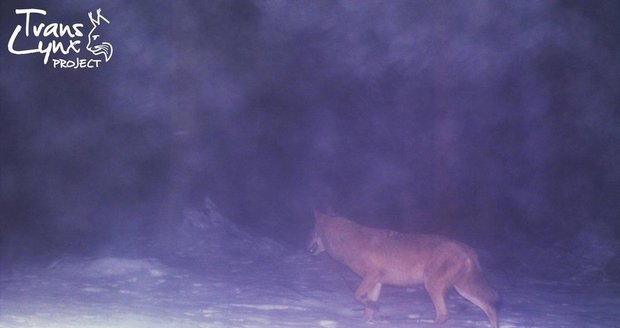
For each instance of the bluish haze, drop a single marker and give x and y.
(495, 122)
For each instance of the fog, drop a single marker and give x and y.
(172, 179)
(492, 122)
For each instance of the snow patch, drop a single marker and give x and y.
(328, 324)
(114, 266)
(93, 289)
(269, 307)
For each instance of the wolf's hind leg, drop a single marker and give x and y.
(437, 291)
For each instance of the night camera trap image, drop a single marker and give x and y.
(329, 163)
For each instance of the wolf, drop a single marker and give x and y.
(388, 257)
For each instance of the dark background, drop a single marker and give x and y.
(495, 122)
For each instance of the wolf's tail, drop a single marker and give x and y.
(485, 291)
(474, 287)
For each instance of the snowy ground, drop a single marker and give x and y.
(255, 283)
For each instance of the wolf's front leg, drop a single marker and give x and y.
(368, 294)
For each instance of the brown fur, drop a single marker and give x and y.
(388, 257)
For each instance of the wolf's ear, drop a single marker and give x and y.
(330, 211)
(319, 217)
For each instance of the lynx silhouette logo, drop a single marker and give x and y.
(66, 39)
(94, 46)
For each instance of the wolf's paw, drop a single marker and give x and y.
(369, 315)
(441, 319)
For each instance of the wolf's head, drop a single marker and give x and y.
(316, 245)
(95, 44)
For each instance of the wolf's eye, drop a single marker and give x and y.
(96, 36)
